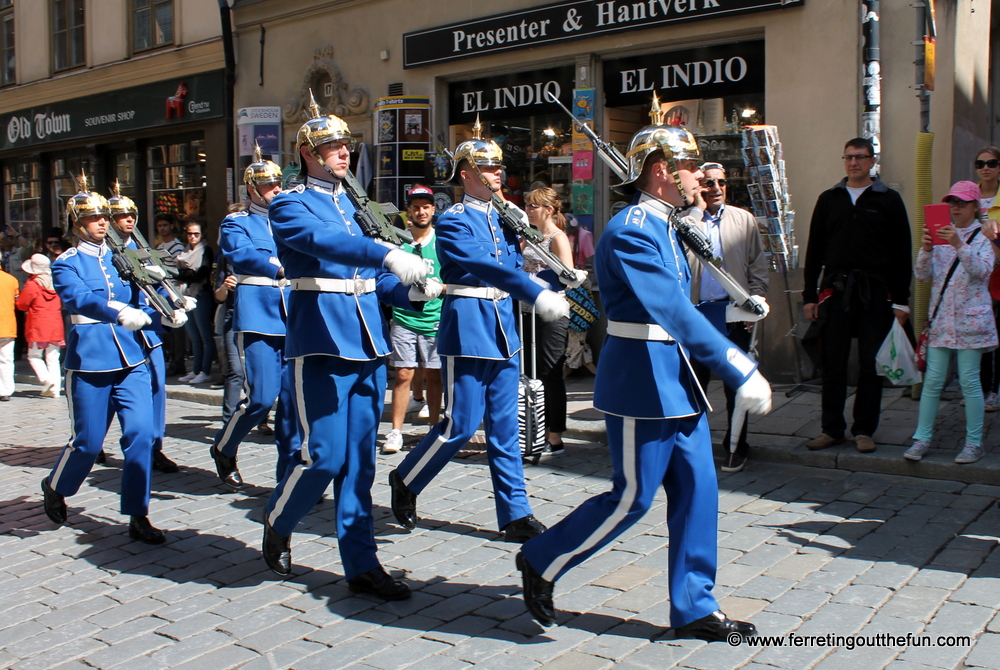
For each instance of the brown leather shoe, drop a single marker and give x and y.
(865, 443)
(823, 441)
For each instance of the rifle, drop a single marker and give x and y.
(371, 217)
(132, 267)
(690, 235)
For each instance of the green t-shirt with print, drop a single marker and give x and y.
(425, 322)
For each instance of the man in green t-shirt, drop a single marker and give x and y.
(414, 334)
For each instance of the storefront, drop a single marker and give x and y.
(163, 142)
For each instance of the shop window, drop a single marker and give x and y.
(67, 34)
(66, 173)
(7, 75)
(152, 24)
(176, 179)
(22, 184)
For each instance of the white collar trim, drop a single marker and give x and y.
(91, 249)
(322, 185)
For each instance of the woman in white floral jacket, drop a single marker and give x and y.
(964, 322)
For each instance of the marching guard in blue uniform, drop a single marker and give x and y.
(655, 410)
(105, 367)
(337, 341)
(124, 217)
(478, 342)
(259, 325)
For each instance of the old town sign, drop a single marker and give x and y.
(562, 21)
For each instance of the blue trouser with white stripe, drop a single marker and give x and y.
(476, 390)
(158, 382)
(339, 404)
(266, 377)
(90, 395)
(646, 454)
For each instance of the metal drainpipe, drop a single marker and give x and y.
(871, 76)
(229, 84)
(922, 175)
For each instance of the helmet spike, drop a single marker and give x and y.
(257, 155)
(313, 106)
(116, 191)
(656, 114)
(477, 129)
(83, 181)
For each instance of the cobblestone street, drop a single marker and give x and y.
(802, 549)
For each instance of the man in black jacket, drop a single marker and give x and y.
(860, 257)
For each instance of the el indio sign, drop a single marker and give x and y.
(164, 103)
(561, 21)
(706, 72)
(508, 96)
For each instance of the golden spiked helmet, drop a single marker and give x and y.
(261, 171)
(676, 142)
(86, 203)
(321, 129)
(478, 151)
(120, 205)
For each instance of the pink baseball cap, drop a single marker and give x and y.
(419, 192)
(964, 190)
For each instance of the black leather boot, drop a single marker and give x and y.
(139, 528)
(277, 550)
(54, 503)
(404, 502)
(226, 467)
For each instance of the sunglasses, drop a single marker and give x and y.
(856, 157)
(991, 163)
(710, 183)
(955, 202)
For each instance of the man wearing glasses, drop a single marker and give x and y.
(857, 277)
(737, 242)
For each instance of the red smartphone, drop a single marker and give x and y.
(936, 217)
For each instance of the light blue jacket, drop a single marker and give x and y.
(248, 245)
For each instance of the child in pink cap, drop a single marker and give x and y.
(960, 318)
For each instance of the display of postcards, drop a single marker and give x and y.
(770, 191)
(765, 155)
(777, 243)
(781, 169)
(758, 209)
(777, 151)
(749, 156)
(766, 174)
(772, 208)
(774, 226)
(755, 192)
(779, 263)
(761, 223)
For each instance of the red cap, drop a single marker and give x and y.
(419, 192)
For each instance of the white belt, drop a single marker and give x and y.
(80, 319)
(251, 280)
(481, 292)
(639, 331)
(329, 285)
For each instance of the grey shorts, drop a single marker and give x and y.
(410, 350)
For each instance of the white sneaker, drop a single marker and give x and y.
(415, 405)
(200, 378)
(425, 412)
(186, 378)
(393, 442)
(917, 451)
(970, 453)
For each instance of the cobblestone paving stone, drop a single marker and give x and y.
(803, 551)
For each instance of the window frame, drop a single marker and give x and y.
(151, 8)
(68, 32)
(7, 14)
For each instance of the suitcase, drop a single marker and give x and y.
(530, 404)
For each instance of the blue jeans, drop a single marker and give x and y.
(938, 359)
(201, 330)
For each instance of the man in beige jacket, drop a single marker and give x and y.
(736, 239)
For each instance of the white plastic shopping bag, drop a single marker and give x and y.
(896, 359)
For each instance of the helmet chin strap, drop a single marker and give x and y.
(675, 173)
(483, 178)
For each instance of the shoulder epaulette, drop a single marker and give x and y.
(69, 253)
(457, 208)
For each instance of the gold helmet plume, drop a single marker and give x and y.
(478, 151)
(86, 202)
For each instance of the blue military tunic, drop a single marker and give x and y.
(657, 429)
(247, 242)
(105, 375)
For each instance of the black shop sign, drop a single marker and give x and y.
(166, 103)
(509, 96)
(705, 72)
(561, 21)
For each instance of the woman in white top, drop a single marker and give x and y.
(544, 210)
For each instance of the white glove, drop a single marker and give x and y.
(734, 313)
(133, 318)
(180, 318)
(189, 304)
(551, 306)
(432, 289)
(408, 267)
(754, 396)
(155, 272)
(581, 276)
